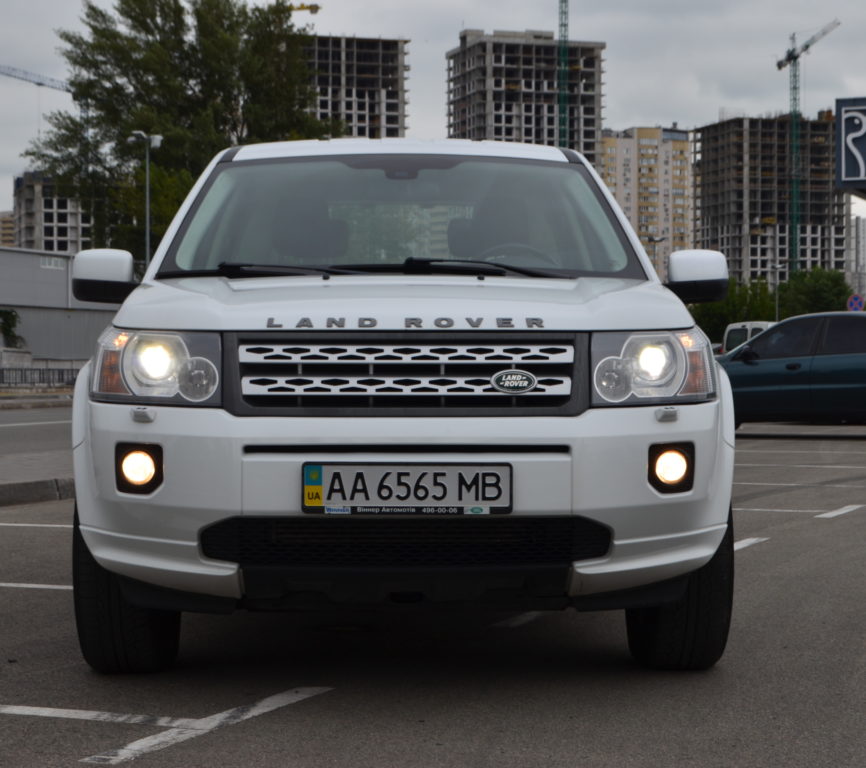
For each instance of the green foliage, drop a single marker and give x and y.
(204, 74)
(8, 324)
(817, 290)
(748, 301)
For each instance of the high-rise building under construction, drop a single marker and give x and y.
(362, 82)
(743, 196)
(504, 87)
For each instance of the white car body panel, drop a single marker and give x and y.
(306, 303)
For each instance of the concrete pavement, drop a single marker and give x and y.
(30, 478)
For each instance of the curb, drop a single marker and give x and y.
(56, 401)
(35, 491)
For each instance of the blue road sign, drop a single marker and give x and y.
(851, 143)
(855, 303)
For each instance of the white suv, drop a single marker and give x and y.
(359, 372)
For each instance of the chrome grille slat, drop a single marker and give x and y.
(365, 384)
(511, 354)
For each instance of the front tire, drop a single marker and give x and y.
(114, 635)
(691, 633)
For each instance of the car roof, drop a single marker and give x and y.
(831, 313)
(398, 146)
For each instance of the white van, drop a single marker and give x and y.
(740, 333)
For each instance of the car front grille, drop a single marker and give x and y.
(404, 374)
(315, 542)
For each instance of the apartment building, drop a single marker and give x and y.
(858, 246)
(362, 82)
(743, 196)
(7, 229)
(648, 170)
(503, 86)
(45, 220)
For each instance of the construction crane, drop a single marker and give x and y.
(31, 77)
(792, 58)
(562, 73)
(313, 8)
(39, 80)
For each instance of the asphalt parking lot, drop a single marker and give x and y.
(455, 688)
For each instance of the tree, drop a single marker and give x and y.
(818, 290)
(747, 301)
(204, 74)
(8, 324)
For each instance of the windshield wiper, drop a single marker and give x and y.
(232, 269)
(412, 266)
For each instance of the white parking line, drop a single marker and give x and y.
(35, 525)
(770, 509)
(753, 465)
(179, 729)
(100, 717)
(200, 727)
(34, 423)
(841, 511)
(7, 585)
(743, 543)
(801, 485)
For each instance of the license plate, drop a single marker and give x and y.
(407, 489)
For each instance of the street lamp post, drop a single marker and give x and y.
(778, 268)
(151, 141)
(655, 240)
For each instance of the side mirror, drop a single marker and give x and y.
(697, 276)
(746, 354)
(102, 274)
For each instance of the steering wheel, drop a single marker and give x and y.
(501, 252)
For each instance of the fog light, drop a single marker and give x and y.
(137, 467)
(671, 467)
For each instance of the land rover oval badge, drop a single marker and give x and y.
(513, 382)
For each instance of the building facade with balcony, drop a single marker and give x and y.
(648, 170)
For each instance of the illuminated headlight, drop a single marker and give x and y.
(144, 365)
(664, 366)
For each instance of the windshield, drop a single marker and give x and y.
(382, 212)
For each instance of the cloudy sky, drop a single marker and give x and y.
(684, 61)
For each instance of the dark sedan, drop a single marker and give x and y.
(806, 368)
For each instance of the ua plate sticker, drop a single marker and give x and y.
(313, 485)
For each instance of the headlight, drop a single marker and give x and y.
(663, 366)
(149, 365)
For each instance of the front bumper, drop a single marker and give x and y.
(218, 466)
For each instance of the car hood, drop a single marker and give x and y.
(401, 302)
